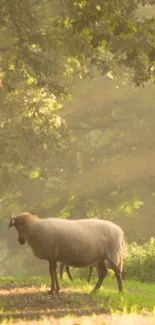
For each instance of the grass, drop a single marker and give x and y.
(26, 299)
(138, 297)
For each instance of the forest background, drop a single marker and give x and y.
(77, 117)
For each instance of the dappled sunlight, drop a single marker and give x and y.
(30, 302)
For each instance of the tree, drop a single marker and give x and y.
(56, 160)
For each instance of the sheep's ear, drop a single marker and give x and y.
(12, 221)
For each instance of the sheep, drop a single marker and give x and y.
(67, 269)
(108, 265)
(62, 266)
(77, 243)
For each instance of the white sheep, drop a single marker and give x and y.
(77, 243)
(67, 269)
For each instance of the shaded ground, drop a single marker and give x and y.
(31, 304)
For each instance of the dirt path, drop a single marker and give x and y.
(95, 320)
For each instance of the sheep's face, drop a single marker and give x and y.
(17, 222)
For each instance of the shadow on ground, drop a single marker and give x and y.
(31, 303)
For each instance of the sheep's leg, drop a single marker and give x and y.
(102, 272)
(121, 268)
(57, 282)
(118, 275)
(90, 273)
(68, 273)
(52, 270)
(61, 270)
(123, 274)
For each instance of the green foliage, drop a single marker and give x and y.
(91, 156)
(140, 261)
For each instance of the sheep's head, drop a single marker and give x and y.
(17, 223)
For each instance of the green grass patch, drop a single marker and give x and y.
(75, 296)
(137, 297)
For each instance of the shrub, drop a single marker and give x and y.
(139, 261)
